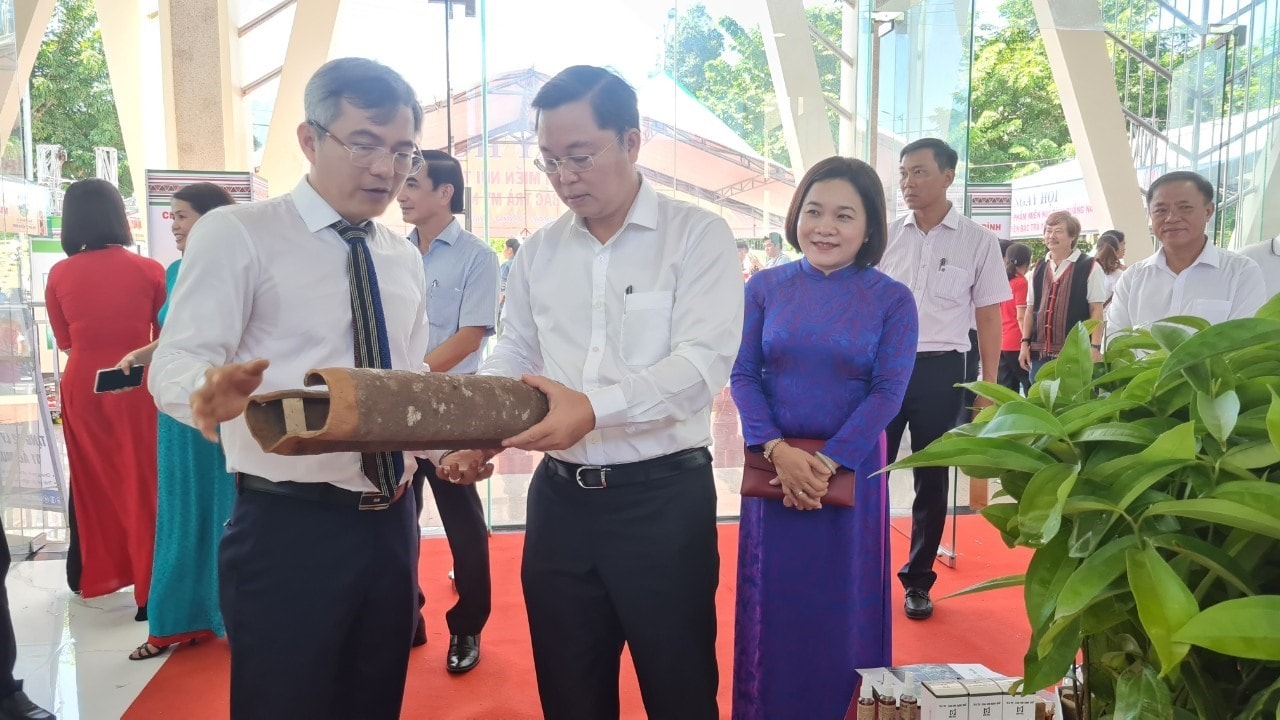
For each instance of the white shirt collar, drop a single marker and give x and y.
(316, 212)
(1209, 255)
(449, 235)
(643, 212)
(951, 219)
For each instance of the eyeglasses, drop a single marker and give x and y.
(404, 163)
(572, 163)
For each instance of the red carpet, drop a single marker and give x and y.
(988, 628)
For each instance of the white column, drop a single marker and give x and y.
(1085, 77)
(309, 44)
(794, 69)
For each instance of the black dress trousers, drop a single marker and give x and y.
(930, 407)
(632, 565)
(462, 515)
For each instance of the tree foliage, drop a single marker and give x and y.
(71, 100)
(724, 66)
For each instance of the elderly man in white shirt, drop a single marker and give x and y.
(1267, 255)
(318, 565)
(1187, 275)
(627, 313)
(954, 268)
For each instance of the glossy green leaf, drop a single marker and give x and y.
(1048, 390)
(1141, 388)
(1264, 496)
(1140, 693)
(1007, 581)
(1210, 557)
(983, 452)
(1116, 432)
(1170, 335)
(1253, 455)
(1246, 627)
(1088, 531)
(1136, 474)
(1022, 419)
(1219, 414)
(1107, 611)
(1222, 512)
(1047, 668)
(1094, 574)
(1164, 602)
(1047, 574)
(1221, 338)
(1003, 517)
(1075, 363)
(1087, 414)
(1040, 511)
(994, 392)
(1273, 420)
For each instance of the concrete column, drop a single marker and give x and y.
(31, 17)
(1085, 76)
(120, 22)
(205, 122)
(794, 69)
(282, 160)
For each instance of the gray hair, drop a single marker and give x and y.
(365, 84)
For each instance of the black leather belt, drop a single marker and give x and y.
(934, 353)
(323, 493)
(596, 477)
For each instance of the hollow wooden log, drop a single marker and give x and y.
(387, 410)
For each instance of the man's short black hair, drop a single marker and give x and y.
(742, 245)
(943, 154)
(442, 168)
(513, 245)
(1201, 182)
(613, 102)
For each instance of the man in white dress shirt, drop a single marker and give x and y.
(627, 312)
(954, 268)
(317, 568)
(462, 304)
(1187, 275)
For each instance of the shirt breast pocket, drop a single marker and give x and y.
(443, 305)
(1215, 311)
(951, 285)
(646, 327)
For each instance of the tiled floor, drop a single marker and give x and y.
(72, 652)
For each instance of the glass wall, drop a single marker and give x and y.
(920, 60)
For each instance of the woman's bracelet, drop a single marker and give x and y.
(831, 464)
(769, 447)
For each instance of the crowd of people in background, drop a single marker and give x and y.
(630, 314)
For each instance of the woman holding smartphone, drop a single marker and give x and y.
(195, 490)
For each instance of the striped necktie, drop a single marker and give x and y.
(369, 326)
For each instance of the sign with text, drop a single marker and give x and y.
(162, 184)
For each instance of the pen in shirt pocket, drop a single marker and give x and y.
(629, 289)
(942, 265)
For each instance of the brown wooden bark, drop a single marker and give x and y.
(385, 410)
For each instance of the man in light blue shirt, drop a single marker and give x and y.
(462, 302)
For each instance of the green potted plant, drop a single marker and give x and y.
(1148, 487)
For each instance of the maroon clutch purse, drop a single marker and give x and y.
(757, 472)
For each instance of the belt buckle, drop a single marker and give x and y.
(604, 473)
(374, 501)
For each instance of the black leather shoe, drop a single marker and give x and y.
(918, 604)
(19, 707)
(464, 653)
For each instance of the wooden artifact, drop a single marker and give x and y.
(387, 410)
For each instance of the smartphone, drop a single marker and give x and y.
(112, 379)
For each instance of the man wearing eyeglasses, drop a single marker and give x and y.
(627, 313)
(317, 568)
(462, 302)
